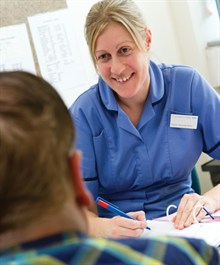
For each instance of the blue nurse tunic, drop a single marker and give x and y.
(147, 167)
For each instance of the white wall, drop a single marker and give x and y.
(180, 30)
(165, 46)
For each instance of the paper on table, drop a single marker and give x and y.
(208, 231)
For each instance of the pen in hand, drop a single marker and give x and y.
(114, 209)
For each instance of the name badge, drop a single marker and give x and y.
(183, 121)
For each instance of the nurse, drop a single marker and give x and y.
(142, 127)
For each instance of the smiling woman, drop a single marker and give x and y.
(131, 148)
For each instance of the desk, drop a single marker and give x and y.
(213, 166)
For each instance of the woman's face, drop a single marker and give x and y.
(120, 63)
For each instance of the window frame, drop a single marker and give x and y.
(218, 7)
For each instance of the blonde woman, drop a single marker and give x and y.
(143, 126)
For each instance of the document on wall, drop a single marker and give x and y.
(58, 50)
(208, 230)
(15, 49)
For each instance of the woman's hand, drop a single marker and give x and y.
(117, 227)
(184, 217)
(123, 227)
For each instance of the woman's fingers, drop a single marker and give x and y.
(125, 227)
(184, 217)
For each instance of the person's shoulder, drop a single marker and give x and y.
(174, 71)
(176, 67)
(163, 249)
(86, 99)
(151, 250)
(188, 250)
(116, 251)
(178, 73)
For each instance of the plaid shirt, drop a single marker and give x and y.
(75, 249)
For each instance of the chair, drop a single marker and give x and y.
(195, 181)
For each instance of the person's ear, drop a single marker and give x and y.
(148, 38)
(82, 195)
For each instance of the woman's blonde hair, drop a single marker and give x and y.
(125, 12)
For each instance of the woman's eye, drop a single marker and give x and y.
(103, 57)
(125, 50)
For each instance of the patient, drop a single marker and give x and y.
(43, 200)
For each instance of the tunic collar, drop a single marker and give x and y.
(156, 83)
(107, 95)
(155, 94)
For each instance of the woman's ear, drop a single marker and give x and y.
(82, 195)
(148, 38)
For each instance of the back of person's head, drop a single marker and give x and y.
(36, 136)
(105, 12)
